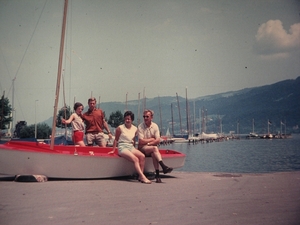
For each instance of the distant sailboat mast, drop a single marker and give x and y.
(13, 111)
(139, 96)
(203, 119)
(160, 118)
(172, 119)
(126, 101)
(194, 119)
(187, 113)
(269, 126)
(179, 113)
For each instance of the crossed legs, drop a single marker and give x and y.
(157, 160)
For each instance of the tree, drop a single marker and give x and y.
(5, 113)
(64, 112)
(43, 131)
(115, 119)
(19, 126)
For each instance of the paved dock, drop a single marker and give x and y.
(182, 198)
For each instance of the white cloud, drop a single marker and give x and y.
(272, 40)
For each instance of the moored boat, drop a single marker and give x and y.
(72, 162)
(252, 135)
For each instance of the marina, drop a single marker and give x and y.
(242, 155)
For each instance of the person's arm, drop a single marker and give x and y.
(147, 141)
(156, 140)
(68, 120)
(105, 125)
(134, 138)
(117, 136)
(142, 139)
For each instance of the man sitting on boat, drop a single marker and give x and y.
(149, 138)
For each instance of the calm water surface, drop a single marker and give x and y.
(242, 156)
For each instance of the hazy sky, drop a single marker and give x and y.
(128, 46)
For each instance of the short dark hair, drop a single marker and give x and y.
(76, 105)
(129, 113)
(92, 99)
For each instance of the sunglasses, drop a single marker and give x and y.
(146, 116)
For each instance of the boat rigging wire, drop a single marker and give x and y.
(30, 41)
(15, 77)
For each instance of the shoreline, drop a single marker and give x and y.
(182, 198)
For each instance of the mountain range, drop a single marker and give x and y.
(274, 107)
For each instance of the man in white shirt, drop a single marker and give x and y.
(149, 138)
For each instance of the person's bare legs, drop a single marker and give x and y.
(154, 152)
(141, 158)
(80, 143)
(130, 156)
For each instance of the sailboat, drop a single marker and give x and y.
(252, 134)
(71, 162)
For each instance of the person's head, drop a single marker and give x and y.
(128, 117)
(148, 115)
(92, 103)
(78, 107)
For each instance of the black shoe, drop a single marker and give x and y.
(158, 180)
(167, 170)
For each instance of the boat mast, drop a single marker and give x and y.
(144, 98)
(172, 120)
(13, 111)
(160, 119)
(139, 96)
(126, 101)
(179, 113)
(194, 119)
(187, 113)
(59, 72)
(203, 119)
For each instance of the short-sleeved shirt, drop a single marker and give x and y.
(93, 121)
(145, 132)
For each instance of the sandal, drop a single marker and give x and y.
(145, 182)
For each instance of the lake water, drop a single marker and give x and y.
(241, 155)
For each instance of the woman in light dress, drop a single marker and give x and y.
(124, 137)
